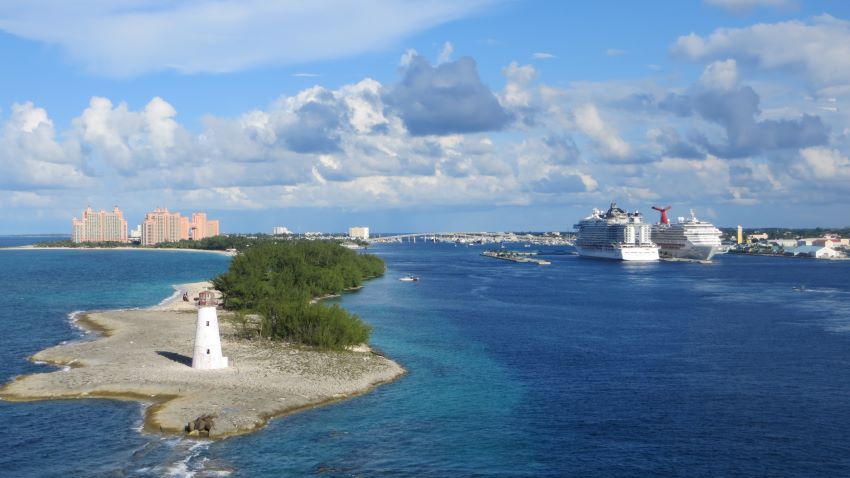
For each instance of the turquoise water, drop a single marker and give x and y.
(581, 368)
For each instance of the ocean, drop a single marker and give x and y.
(580, 368)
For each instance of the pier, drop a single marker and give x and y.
(524, 257)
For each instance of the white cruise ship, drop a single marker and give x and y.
(686, 239)
(615, 234)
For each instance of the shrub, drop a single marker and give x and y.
(278, 280)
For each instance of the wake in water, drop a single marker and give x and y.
(175, 458)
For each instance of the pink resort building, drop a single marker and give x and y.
(100, 226)
(163, 226)
(201, 227)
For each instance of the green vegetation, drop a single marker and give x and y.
(789, 233)
(278, 280)
(215, 243)
(81, 245)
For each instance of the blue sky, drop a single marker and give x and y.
(424, 115)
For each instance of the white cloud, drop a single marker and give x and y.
(446, 53)
(517, 94)
(130, 140)
(589, 121)
(407, 57)
(584, 143)
(543, 56)
(720, 75)
(132, 37)
(615, 52)
(823, 164)
(817, 49)
(32, 156)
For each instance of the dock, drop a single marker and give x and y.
(515, 257)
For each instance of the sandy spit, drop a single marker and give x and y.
(146, 354)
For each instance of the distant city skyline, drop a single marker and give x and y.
(426, 116)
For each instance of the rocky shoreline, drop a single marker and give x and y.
(145, 355)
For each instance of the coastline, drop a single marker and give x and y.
(30, 247)
(145, 355)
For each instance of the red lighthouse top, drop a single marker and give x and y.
(207, 299)
(663, 212)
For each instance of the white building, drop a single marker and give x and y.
(818, 252)
(207, 353)
(136, 234)
(784, 243)
(359, 232)
(280, 231)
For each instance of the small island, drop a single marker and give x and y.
(287, 352)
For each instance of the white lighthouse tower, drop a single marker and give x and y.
(207, 353)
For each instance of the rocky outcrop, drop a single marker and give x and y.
(201, 426)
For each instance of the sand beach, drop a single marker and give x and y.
(145, 355)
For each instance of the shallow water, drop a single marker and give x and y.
(583, 367)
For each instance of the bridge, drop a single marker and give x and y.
(434, 236)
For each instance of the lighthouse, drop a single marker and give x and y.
(207, 353)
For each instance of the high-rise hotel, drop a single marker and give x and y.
(101, 226)
(163, 226)
(201, 227)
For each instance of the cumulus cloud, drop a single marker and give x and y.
(817, 49)
(131, 140)
(32, 156)
(448, 98)
(823, 164)
(720, 75)
(437, 136)
(561, 182)
(131, 37)
(588, 120)
(737, 111)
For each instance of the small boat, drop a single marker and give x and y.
(409, 278)
(800, 288)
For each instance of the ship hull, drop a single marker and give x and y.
(696, 241)
(636, 254)
(689, 252)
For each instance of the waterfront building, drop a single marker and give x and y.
(201, 227)
(136, 234)
(818, 252)
(207, 352)
(784, 243)
(358, 232)
(740, 235)
(100, 226)
(756, 237)
(280, 231)
(163, 226)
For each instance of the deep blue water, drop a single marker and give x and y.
(580, 368)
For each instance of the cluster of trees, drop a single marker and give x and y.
(82, 245)
(215, 243)
(279, 280)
